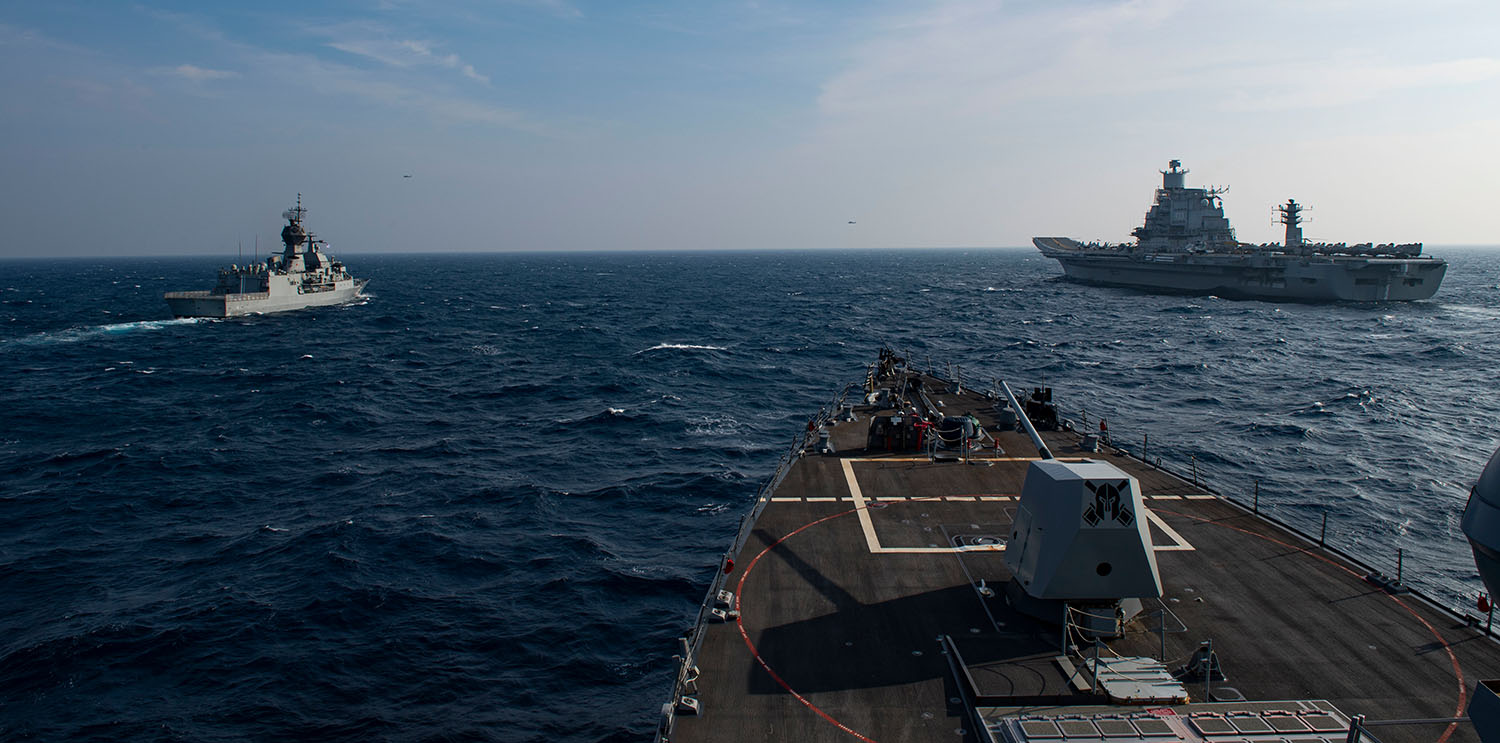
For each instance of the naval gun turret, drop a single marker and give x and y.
(1080, 551)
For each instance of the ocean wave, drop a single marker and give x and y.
(680, 347)
(526, 520)
(77, 335)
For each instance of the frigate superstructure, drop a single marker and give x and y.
(934, 562)
(1187, 245)
(302, 275)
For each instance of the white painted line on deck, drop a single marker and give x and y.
(1179, 544)
(859, 503)
(786, 500)
(1200, 497)
(822, 500)
(868, 525)
(971, 459)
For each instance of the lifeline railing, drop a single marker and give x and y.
(1251, 504)
(1391, 578)
(691, 642)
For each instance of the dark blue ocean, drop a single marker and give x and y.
(483, 503)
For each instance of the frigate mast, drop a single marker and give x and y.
(302, 275)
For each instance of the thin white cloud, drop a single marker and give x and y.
(406, 53)
(979, 58)
(1322, 84)
(308, 72)
(560, 8)
(196, 74)
(325, 77)
(28, 37)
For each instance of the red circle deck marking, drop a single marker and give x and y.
(1458, 671)
(740, 620)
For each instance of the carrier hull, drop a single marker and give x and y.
(1186, 246)
(1250, 275)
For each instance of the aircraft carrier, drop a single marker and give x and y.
(1187, 246)
(932, 562)
(301, 276)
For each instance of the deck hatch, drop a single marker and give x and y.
(1117, 729)
(1324, 723)
(1153, 726)
(1286, 723)
(1250, 724)
(1078, 729)
(1040, 729)
(1212, 725)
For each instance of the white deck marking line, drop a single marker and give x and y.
(786, 500)
(868, 525)
(974, 459)
(873, 542)
(1200, 497)
(821, 500)
(1166, 497)
(863, 513)
(1179, 544)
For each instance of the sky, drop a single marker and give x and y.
(160, 128)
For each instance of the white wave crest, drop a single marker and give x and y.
(681, 346)
(75, 335)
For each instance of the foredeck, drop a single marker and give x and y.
(861, 563)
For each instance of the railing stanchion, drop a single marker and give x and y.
(1355, 728)
(1162, 627)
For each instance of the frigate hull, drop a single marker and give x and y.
(208, 304)
(302, 275)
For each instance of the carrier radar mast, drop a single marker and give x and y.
(1290, 214)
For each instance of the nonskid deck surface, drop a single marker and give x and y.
(862, 562)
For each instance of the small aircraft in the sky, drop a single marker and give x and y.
(408, 175)
(851, 221)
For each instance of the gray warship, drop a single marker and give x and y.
(935, 562)
(302, 275)
(1187, 246)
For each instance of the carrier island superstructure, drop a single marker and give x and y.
(302, 275)
(1186, 245)
(936, 560)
